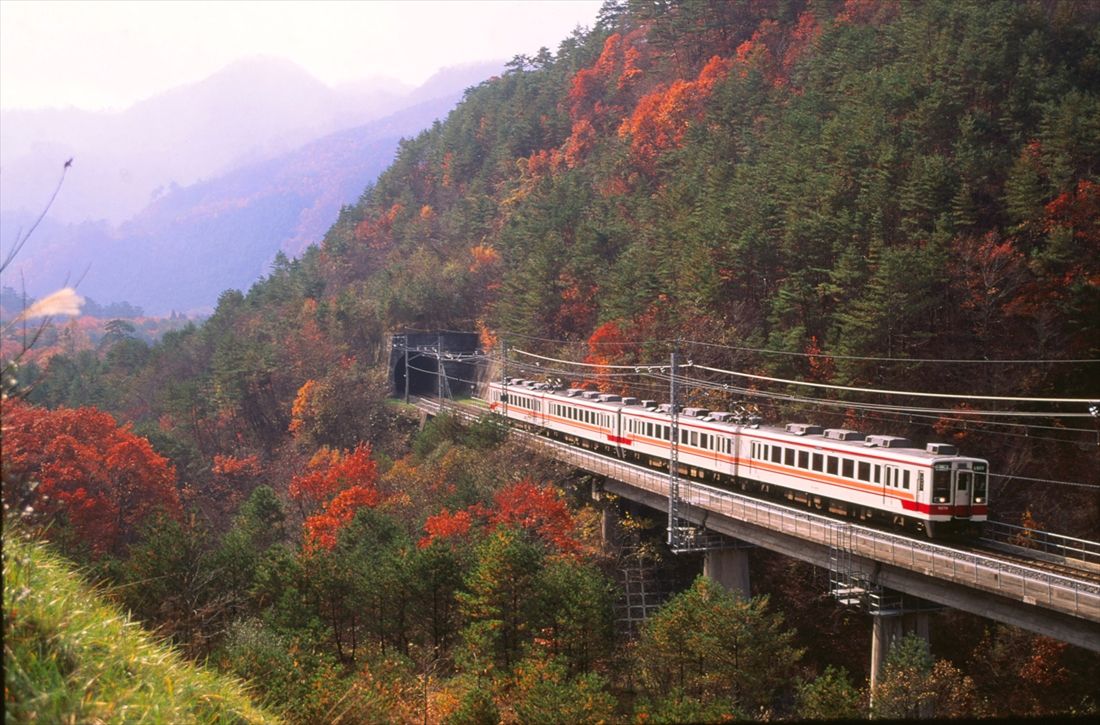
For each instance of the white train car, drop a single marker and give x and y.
(882, 477)
(873, 477)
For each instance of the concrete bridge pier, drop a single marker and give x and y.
(730, 568)
(889, 628)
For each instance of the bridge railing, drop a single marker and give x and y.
(1051, 546)
(1030, 585)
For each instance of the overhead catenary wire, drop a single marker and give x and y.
(1009, 477)
(938, 414)
(1045, 480)
(834, 356)
(826, 386)
(868, 358)
(912, 393)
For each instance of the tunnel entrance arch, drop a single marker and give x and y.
(457, 366)
(423, 375)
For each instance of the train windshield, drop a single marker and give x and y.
(981, 481)
(941, 483)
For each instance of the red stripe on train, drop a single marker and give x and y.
(945, 509)
(617, 439)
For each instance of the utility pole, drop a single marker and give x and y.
(439, 369)
(406, 368)
(674, 533)
(504, 376)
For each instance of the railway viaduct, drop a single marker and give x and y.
(896, 579)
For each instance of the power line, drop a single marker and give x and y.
(878, 391)
(957, 361)
(765, 351)
(1076, 484)
(1045, 480)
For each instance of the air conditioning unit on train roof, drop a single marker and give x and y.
(651, 404)
(629, 400)
(804, 429)
(942, 449)
(696, 412)
(573, 392)
(610, 398)
(590, 394)
(843, 434)
(887, 442)
(719, 416)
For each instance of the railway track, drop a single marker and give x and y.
(997, 555)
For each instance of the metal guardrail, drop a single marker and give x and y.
(1057, 592)
(1053, 546)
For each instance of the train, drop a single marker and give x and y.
(880, 479)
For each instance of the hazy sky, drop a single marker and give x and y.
(99, 55)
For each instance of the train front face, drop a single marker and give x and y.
(960, 493)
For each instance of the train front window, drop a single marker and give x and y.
(941, 483)
(981, 482)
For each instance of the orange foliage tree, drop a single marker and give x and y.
(662, 117)
(334, 488)
(93, 477)
(525, 505)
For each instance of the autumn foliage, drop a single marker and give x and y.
(522, 505)
(334, 488)
(662, 117)
(92, 475)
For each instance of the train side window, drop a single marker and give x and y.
(819, 462)
(665, 433)
(704, 440)
(864, 471)
(878, 473)
(905, 480)
(788, 456)
(695, 438)
(847, 468)
(776, 452)
(920, 480)
(832, 465)
(803, 459)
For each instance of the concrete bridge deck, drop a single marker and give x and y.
(1062, 606)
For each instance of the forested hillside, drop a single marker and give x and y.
(865, 193)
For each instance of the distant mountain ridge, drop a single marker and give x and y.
(252, 110)
(193, 241)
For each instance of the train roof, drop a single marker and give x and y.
(799, 434)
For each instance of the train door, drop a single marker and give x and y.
(964, 485)
(890, 479)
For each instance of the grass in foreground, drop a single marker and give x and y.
(70, 657)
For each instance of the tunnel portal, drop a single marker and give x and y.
(423, 369)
